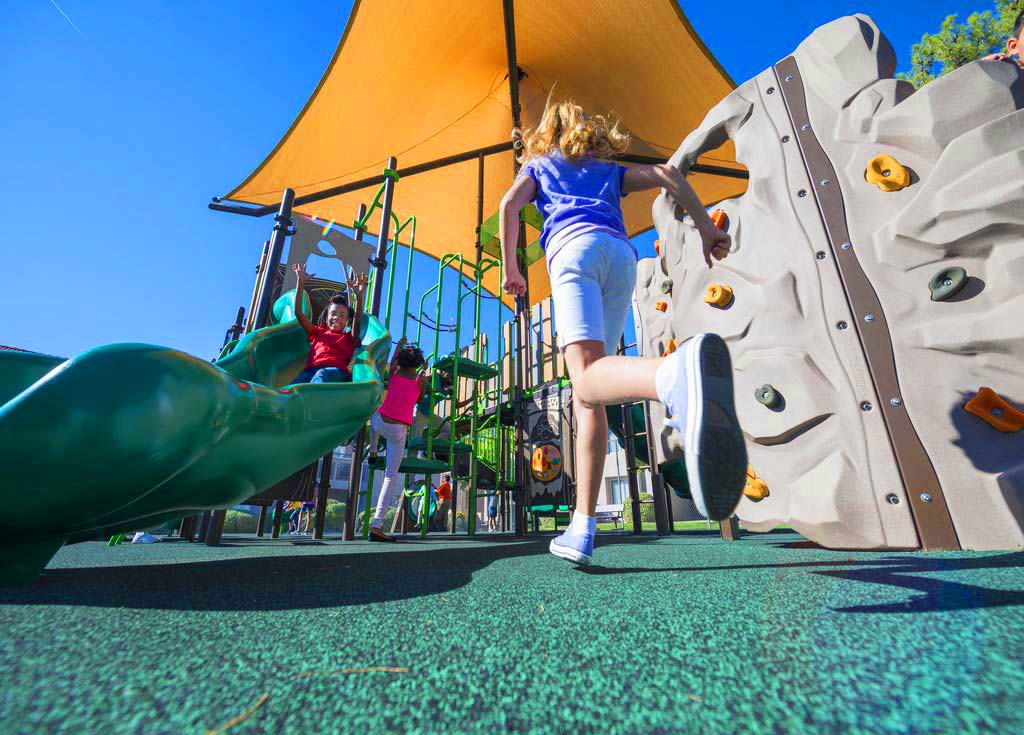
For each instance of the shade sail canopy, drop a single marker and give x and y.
(424, 80)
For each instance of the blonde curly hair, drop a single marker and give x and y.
(564, 126)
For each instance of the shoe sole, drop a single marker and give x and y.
(570, 554)
(715, 451)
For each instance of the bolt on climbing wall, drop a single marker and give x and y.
(872, 299)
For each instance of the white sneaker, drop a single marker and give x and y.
(713, 444)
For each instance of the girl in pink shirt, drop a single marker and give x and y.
(392, 421)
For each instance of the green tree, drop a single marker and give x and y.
(959, 43)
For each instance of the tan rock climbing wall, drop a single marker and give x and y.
(826, 450)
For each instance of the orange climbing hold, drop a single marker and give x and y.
(990, 407)
(657, 246)
(756, 489)
(718, 295)
(887, 173)
(669, 348)
(720, 219)
(661, 305)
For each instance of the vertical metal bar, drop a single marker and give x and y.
(662, 501)
(261, 523)
(355, 471)
(630, 447)
(283, 228)
(235, 330)
(275, 532)
(323, 489)
(261, 275)
(379, 260)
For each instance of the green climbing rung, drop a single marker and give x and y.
(412, 465)
(442, 446)
(467, 368)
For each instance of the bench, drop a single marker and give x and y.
(609, 514)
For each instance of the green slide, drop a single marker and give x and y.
(129, 436)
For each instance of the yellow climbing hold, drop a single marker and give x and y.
(720, 219)
(669, 348)
(718, 295)
(887, 173)
(756, 489)
(661, 305)
(657, 246)
(990, 407)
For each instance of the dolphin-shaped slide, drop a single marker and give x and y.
(129, 436)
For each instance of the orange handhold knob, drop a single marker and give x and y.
(887, 173)
(657, 246)
(756, 490)
(669, 348)
(661, 305)
(720, 219)
(991, 408)
(718, 295)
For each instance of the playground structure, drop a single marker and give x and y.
(898, 228)
(871, 299)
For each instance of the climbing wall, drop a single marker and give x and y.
(874, 290)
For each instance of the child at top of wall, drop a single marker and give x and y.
(392, 422)
(592, 268)
(330, 346)
(1014, 44)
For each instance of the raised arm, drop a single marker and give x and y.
(669, 178)
(300, 286)
(358, 290)
(518, 196)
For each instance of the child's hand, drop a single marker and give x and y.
(714, 242)
(359, 282)
(995, 57)
(514, 283)
(401, 342)
(300, 273)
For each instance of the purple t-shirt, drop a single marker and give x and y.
(586, 192)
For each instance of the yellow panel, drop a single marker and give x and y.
(431, 81)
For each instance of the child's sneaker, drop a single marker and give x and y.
(575, 547)
(715, 452)
(141, 537)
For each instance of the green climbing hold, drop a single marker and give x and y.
(767, 396)
(947, 283)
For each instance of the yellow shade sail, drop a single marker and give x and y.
(423, 80)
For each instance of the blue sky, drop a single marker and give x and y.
(120, 124)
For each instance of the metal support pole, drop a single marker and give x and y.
(261, 274)
(379, 260)
(356, 469)
(283, 229)
(278, 513)
(628, 433)
(235, 330)
(662, 500)
(216, 529)
(262, 522)
(323, 489)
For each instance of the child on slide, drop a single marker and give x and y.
(592, 267)
(392, 421)
(330, 348)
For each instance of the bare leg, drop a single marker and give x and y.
(598, 381)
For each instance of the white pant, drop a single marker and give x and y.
(592, 279)
(394, 438)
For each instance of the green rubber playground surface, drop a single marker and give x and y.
(689, 634)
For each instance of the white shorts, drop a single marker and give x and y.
(592, 280)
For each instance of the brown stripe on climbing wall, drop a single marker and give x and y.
(927, 501)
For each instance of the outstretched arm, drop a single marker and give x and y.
(669, 178)
(522, 192)
(300, 286)
(358, 289)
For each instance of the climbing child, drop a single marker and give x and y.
(392, 422)
(330, 348)
(592, 268)
(1014, 45)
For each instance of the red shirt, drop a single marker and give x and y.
(329, 349)
(444, 492)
